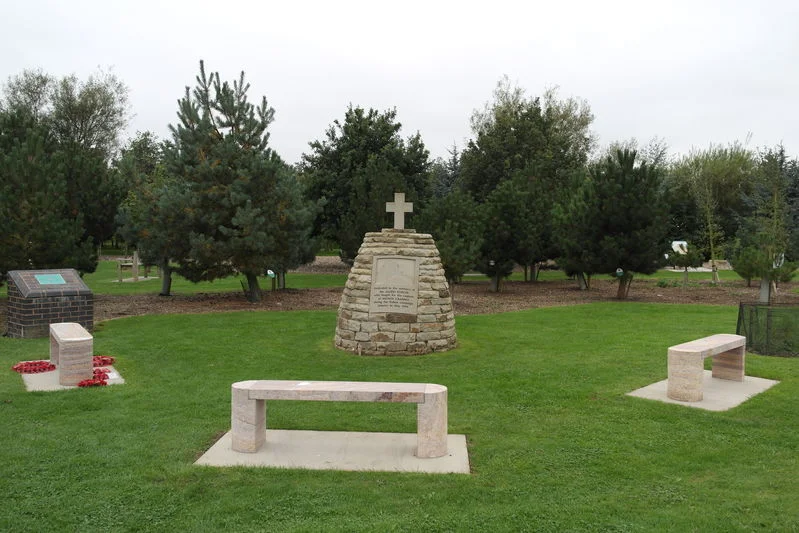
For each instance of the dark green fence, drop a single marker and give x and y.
(770, 329)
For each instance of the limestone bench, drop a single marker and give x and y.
(686, 364)
(71, 349)
(248, 421)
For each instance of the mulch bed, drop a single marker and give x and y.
(469, 298)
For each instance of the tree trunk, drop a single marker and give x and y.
(494, 283)
(281, 281)
(525, 273)
(581, 281)
(768, 290)
(715, 270)
(536, 271)
(166, 278)
(624, 286)
(253, 289)
(685, 277)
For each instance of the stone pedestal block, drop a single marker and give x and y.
(71, 350)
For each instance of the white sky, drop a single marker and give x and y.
(690, 72)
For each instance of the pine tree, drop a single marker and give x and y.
(235, 182)
(455, 222)
(151, 218)
(614, 222)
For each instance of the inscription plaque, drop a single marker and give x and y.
(50, 279)
(395, 285)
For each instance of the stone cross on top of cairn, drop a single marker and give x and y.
(399, 207)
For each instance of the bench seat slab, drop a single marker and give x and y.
(248, 407)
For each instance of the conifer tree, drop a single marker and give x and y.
(615, 220)
(152, 216)
(455, 222)
(356, 170)
(38, 229)
(237, 197)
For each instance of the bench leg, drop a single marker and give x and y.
(685, 377)
(248, 422)
(730, 365)
(55, 350)
(431, 425)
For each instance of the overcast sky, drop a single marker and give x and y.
(691, 73)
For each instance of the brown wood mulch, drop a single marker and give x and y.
(469, 298)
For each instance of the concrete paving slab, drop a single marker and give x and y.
(341, 450)
(718, 394)
(48, 381)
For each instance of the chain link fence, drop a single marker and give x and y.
(770, 329)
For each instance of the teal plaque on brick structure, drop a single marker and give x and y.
(50, 279)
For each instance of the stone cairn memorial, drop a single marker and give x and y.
(396, 300)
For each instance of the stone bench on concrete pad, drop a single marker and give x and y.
(686, 364)
(71, 350)
(248, 409)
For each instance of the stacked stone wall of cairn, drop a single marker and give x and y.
(431, 329)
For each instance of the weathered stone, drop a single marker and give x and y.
(405, 337)
(418, 348)
(360, 317)
(370, 327)
(398, 318)
(393, 326)
(396, 328)
(429, 336)
(350, 325)
(346, 334)
(395, 347)
(440, 345)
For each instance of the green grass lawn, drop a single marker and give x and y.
(554, 443)
(105, 281)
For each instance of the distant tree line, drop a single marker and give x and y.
(530, 188)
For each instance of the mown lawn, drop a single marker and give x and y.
(554, 443)
(106, 281)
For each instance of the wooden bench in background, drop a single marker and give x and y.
(248, 420)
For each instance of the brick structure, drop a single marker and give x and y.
(38, 298)
(396, 300)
